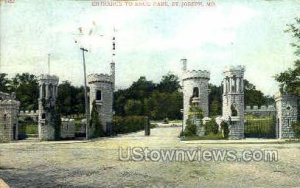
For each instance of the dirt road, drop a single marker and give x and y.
(96, 163)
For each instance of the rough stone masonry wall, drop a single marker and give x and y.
(45, 127)
(237, 122)
(48, 89)
(188, 86)
(286, 107)
(230, 99)
(8, 120)
(105, 105)
(233, 96)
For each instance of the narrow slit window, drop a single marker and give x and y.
(98, 95)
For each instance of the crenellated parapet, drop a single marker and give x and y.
(46, 78)
(9, 102)
(6, 96)
(196, 74)
(262, 111)
(237, 71)
(262, 108)
(93, 78)
(29, 113)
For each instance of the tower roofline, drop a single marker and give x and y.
(196, 74)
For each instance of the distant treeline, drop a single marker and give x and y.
(146, 98)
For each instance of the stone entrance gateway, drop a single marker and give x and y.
(233, 101)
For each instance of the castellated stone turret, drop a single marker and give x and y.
(48, 87)
(233, 100)
(101, 91)
(286, 115)
(9, 109)
(195, 89)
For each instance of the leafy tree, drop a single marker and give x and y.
(133, 107)
(254, 96)
(70, 98)
(295, 30)
(290, 80)
(144, 97)
(4, 82)
(215, 100)
(26, 88)
(141, 89)
(169, 83)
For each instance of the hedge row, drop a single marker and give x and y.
(128, 124)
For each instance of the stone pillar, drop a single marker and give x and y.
(47, 99)
(41, 90)
(53, 91)
(242, 85)
(47, 90)
(235, 97)
(231, 84)
(238, 85)
(287, 112)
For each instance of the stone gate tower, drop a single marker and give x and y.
(48, 87)
(101, 91)
(233, 100)
(9, 109)
(286, 115)
(102, 88)
(195, 89)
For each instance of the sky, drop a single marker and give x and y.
(150, 41)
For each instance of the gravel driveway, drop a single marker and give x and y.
(96, 164)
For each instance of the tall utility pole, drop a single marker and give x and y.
(85, 95)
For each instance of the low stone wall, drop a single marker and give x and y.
(262, 111)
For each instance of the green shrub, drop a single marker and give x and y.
(128, 124)
(225, 129)
(31, 129)
(196, 112)
(211, 127)
(296, 129)
(217, 136)
(96, 123)
(190, 128)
